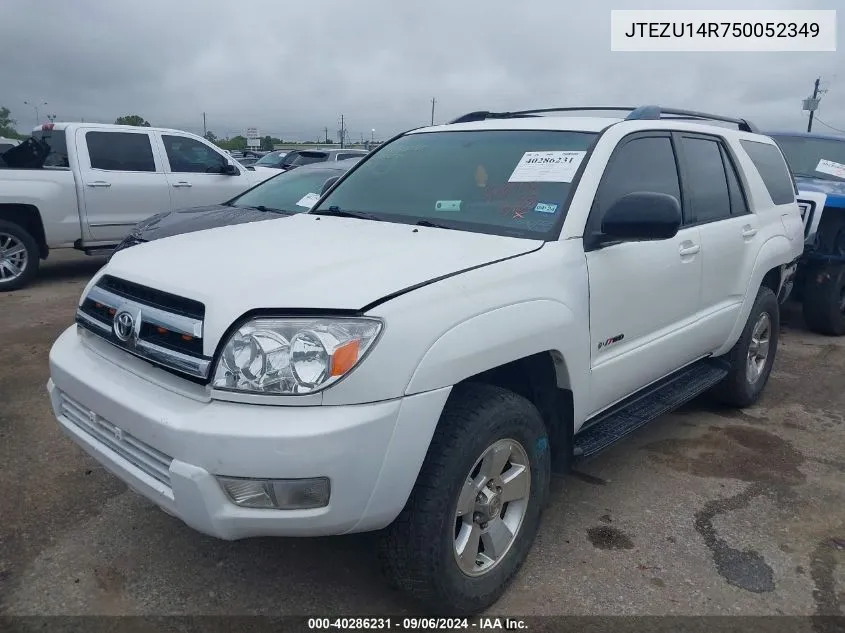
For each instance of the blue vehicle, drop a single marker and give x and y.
(818, 164)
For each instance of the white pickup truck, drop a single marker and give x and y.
(85, 185)
(470, 306)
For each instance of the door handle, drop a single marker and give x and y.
(182, 183)
(99, 183)
(692, 249)
(748, 231)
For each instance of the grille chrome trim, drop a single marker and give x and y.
(98, 313)
(155, 316)
(144, 457)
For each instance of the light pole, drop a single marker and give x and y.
(373, 136)
(35, 106)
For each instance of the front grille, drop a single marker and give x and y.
(157, 326)
(152, 297)
(141, 455)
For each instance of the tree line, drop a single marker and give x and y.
(239, 142)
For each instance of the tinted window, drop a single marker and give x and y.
(804, 155)
(306, 158)
(345, 156)
(271, 159)
(286, 191)
(5, 146)
(120, 151)
(773, 170)
(482, 181)
(738, 203)
(643, 164)
(187, 155)
(55, 139)
(705, 177)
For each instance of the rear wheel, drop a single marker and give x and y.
(824, 300)
(474, 512)
(19, 256)
(752, 357)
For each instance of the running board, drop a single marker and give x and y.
(644, 406)
(98, 251)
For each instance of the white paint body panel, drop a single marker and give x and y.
(454, 304)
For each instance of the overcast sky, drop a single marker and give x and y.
(292, 68)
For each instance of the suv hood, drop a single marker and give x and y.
(304, 261)
(198, 219)
(835, 190)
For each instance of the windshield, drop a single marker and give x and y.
(507, 182)
(814, 157)
(305, 158)
(294, 192)
(270, 159)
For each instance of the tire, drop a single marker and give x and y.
(13, 238)
(824, 300)
(743, 386)
(418, 551)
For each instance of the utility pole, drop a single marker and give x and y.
(326, 131)
(204, 128)
(433, 101)
(814, 103)
(342, 131)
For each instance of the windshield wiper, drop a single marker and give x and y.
(264, 209)
(431, 224)
(342, 213)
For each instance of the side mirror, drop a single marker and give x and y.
(327, 185)
(641, 216)
(230, 170)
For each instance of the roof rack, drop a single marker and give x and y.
(641, 113)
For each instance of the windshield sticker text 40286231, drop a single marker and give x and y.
(547, 167)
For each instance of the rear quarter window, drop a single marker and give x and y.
(769, 161)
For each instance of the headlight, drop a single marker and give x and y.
(293, 356)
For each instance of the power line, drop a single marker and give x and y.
(835, 129)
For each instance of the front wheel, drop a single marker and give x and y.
(752, 357)
(474, 512)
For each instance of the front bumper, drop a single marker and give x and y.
(169, 444)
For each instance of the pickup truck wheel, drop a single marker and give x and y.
(752, 357)
(824, 300)
(19, 257)
(475, 509)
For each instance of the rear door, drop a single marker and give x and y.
(730, 234)
(194, 172)
(123, 181)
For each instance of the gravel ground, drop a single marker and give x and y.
(706, 511)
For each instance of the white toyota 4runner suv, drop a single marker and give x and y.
(469, 308)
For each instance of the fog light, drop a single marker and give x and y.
(280, 494)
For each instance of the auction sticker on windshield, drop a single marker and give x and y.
(308, 200)
(547, 167)
(829, 167)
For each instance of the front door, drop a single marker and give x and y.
(195, 173)
(643, 295)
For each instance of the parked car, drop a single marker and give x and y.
(8, 143)
(472, 305)
(247, 161)
(818, 162)
(84, 185)
(283, 195)
(297, 158)
(272, 160)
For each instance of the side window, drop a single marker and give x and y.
(769, 161)
(120, 151)
(739, 206)
(187, 155)
(704, 174)
(345, 156)
(642, 164)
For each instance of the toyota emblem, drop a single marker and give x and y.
(124, 325)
